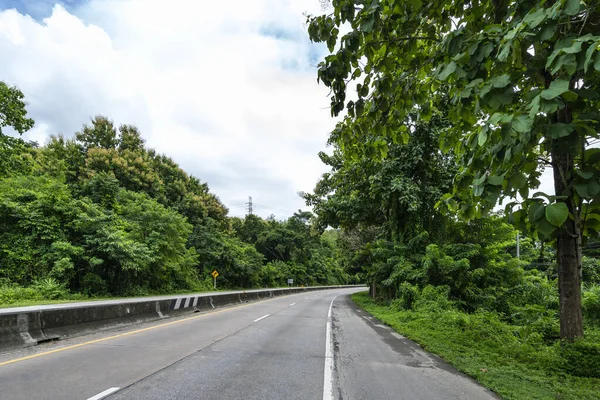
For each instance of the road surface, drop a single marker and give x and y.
(281, 348)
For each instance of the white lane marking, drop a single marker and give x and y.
(104, 394)
(328, 372)
(264, 316)
(292, 304)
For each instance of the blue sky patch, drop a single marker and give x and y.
(38, 9)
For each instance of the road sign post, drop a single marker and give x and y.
(290, 282)
(214, 275)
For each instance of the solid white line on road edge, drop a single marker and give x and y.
(292, 304)
(104, 394)
(264, 316)
(328, 373)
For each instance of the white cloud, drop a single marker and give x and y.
(226, 89)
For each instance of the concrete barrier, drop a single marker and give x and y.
(29, 328)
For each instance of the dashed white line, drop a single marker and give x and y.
(328, 373)
(264, 316)
(292, 304)
(104, 394)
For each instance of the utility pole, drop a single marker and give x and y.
(249, 203)
(518, 245)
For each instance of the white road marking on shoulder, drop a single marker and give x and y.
(328, 373)
(292, 304)
(397, 335)
(104, 394)
(264, 316)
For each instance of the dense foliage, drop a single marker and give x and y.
(100, 214)
(459, 107)
(522, 79)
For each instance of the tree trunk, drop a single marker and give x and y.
(568, 248)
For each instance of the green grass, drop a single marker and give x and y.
(489, 350)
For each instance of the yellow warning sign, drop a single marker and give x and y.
(215, 273)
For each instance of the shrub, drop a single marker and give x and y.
(591, 304)
(581, 358)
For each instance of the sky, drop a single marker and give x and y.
(227, 89)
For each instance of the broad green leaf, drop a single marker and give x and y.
(556, 88)
(533, 19)
(585, 174)
(479, 180)
(495, 180)
(500, 81)
(545, 227)
(534, 106)
(367, 23)
(536, 211)
(572, 7)
(597, 62)
(447, 71)
(557, 213)
(522, 124)
(588, 188)
(478, 190)
(482, 138)
(574, 48)
(518, 180)
(588, 57)
(559, 130)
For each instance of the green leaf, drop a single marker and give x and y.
(557, 213)
(587, 188)
(588, 57)
(574, 48)
(522, 124)
(533, 19)
(585, 174)
(536, 211)
(479, 180)
(535, 106)
(495, 180)
(518, 180)
(556, 88)
(597, 62)
(545, 227)
(482, 138)
(367, 23)
(447, 71)
(559, 130)
(478, 190)
(500, 81)
(572, 7)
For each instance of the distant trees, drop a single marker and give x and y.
(102, 214)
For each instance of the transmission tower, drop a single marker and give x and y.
(249, 204)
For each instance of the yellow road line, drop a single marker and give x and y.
(124, 334)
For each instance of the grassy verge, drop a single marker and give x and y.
(489, 350)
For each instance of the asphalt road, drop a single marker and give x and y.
(271, 349)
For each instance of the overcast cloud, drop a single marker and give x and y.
(227, 89)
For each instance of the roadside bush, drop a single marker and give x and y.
(535, 321)
(407, 295)
(581, 358)
(591, 304)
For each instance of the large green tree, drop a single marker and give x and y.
(12, 109)
(523, 81)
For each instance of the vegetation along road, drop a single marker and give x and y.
(462, 185)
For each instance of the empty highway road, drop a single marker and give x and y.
(316, 345)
